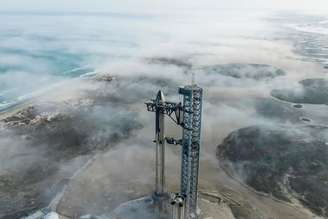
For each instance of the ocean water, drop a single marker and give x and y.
(38, 50)
(308, 34)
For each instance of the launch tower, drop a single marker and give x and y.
(188, 115)
(192, 108)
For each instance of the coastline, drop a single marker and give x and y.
(15, 108)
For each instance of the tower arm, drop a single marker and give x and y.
(171, 109)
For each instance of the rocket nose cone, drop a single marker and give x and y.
(160, 96)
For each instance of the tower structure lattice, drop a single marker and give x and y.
(192, 105)
(188, 115)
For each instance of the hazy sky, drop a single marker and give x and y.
(157, 5)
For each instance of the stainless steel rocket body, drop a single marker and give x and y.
(160, 145)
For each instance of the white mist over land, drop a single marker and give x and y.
(48, 56)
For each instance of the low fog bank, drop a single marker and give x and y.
(42, 145)
(236, 59)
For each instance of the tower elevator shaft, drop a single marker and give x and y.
(192, 116)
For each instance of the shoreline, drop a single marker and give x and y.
(11, 110)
